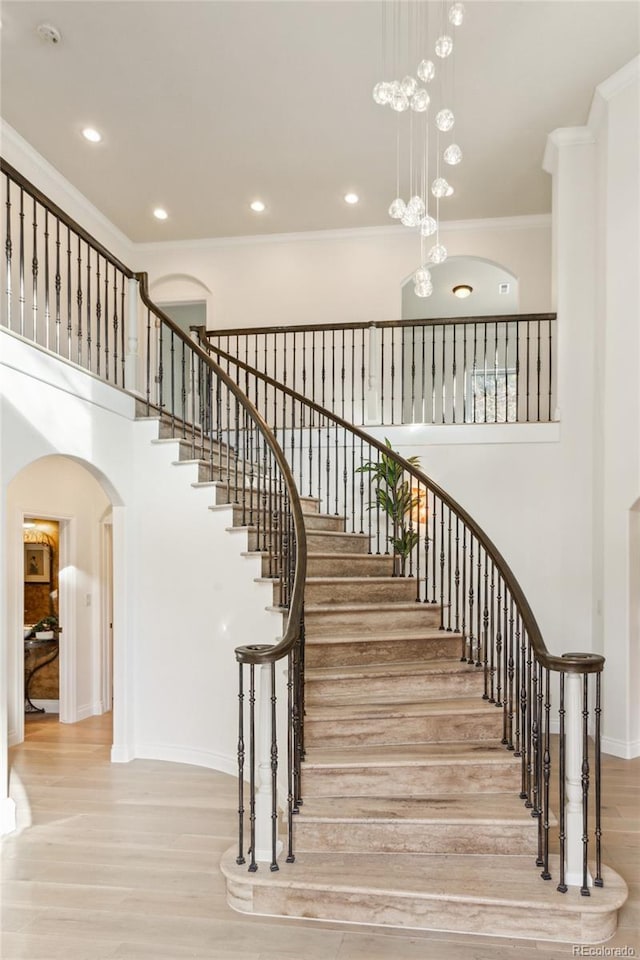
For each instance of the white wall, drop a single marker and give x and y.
(336, 276)
(596, 255)
(184, 596)
(62, 489)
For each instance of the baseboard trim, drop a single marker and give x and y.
(12, 738)
(196, 758)
(84, 712)
(49, 706)
(121, 754)
(7, 816)
(625, 749)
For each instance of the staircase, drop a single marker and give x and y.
(411, 815)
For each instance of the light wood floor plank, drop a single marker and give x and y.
(120, 862)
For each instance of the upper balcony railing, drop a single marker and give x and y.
(448, 371)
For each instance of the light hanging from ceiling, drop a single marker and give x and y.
(407, 41)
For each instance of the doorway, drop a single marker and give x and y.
(70, 576)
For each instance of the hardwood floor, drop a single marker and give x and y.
(121, 861)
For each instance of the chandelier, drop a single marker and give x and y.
(425, 146)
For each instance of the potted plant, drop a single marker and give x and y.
(393, 495)
(45, 628)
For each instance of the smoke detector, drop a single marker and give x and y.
(49, 33)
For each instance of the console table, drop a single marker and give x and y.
(33, 645)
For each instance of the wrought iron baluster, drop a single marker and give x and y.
(106, 319)
(598, 881)
(47, 304)
(8, 250)
(454, 375)
(444, 376)
(584, 779)
(21, 297)
(546, 774)
(99, 327)
(34, 274)
(240, 858)
(538, 369)
(79, 296)
(562, 825)
(69, 283)
(253, 866)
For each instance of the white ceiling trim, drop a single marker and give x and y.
(530, 222)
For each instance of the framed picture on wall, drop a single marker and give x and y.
(36, 563)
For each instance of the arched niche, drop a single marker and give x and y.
(495, 291)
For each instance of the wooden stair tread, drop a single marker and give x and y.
(396, 755)
(362, 710)
(487, 808)
(412, 633)
(504, 881)
(371, 670)
(381, 607)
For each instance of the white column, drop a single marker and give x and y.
(373, 413)
(131, 359)
(573, 782)
(263, 774)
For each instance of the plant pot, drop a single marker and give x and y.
(44, 635)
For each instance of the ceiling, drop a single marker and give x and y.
(206, 105)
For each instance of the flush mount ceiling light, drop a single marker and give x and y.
(257, 206)
(351, 198)
(160, 214)
(462, 291)
(92, 135)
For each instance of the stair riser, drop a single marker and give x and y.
(340, 543)
(324, 521)
(382, 651)
(550, 922)
(431, 838)
(337, 566)
(406, 687)
(393, 589)
(415, 780)
(235, 494)
(347, 733)
(358, 622)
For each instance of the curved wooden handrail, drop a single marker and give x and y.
(254, 653)
(570, 663)
(63, 217)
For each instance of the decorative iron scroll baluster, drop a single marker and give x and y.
(240, 858)
(584, 779)
(546, 773)
(274, 773)
(598, 881)
(47, 304)
(21, 263)
(79, 302)
(562, 798)
(69, 289)
(34, 274)
(253, 866)
(8, 250)
(106, 319)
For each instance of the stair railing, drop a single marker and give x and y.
(62, 289)
(446, 371)
(203, 407)
(66, 293)
(460, 572)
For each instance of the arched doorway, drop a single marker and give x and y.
(77, 586)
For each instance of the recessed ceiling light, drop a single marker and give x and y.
(257, 206)
(92, 135)
(351, 198)
(462, 291)
(160, 214)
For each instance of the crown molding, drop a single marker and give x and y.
(526, 222)
(25, 158)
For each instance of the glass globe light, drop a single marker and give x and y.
(428, 226)
(394, 87)
(445, 120)
(410, 218)
(444, 46)
(437, 254)
(453, 155)
(439, 187)
(409, 86)
(382, 93)
(397, 209)
(399, 102)
(426, 70)
(450, 191)
(423, 289)
(456, 14)
(416, 205)
(420, 101)
(422, 275)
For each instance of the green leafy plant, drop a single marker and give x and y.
(393, 495)
(49, 622)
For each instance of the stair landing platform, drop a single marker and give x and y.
(461, 894)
